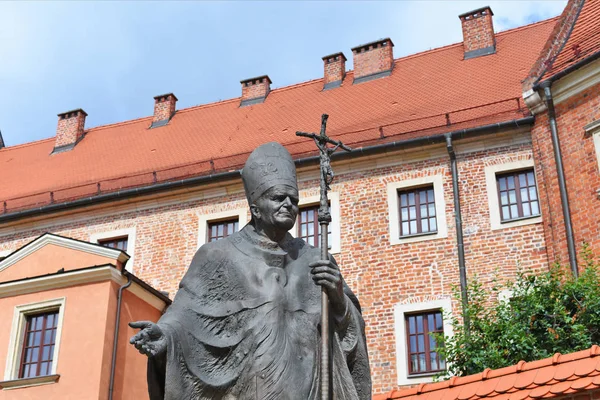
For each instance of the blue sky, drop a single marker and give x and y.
(112, 58)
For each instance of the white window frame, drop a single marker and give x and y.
(205, 219)
(17, 333)
(394, 212)
(334, 209)
(409, 307)
(492, 191)
(129, 232)
(4, 253)
(593, 129)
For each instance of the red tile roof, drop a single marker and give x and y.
(575, 38)
(548, 378)
(424, 93)
(583, 42)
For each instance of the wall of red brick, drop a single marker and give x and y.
(381, 274)
(581, 174)
(164, 107)
(334, 68)
(69, 129)
(478, 30)
(372, 59)
(255, 88)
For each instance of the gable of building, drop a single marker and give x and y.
(49, 254)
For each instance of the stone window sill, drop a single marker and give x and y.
(26, 382)
(536, 219)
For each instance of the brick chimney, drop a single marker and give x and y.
(255, 90)
(70, 130)
(164, 109)
(373, 60)
(478, 32)
(335, 70)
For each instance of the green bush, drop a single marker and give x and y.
(547, 313)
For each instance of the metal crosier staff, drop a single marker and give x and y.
(324, 217)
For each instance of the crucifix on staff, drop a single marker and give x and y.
(324, 216)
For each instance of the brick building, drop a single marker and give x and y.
(452, 174)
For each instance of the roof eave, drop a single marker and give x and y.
(234, 174)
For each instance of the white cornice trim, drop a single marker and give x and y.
(534, 101)
(125, 232)
(72, 278)
(68, 243)
(592, 128)
(57, 281)
(145, 295)
(576, 82)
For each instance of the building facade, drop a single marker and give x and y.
(451, 176)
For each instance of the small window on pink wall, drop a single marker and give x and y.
(38, 345)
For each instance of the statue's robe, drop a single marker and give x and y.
(245, 324)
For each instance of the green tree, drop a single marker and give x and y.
(547, 313)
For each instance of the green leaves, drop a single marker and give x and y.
(546, 313)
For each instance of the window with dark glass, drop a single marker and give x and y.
(308, 226)
(221, 229)
(115, 243)
(38, 345)
(423, 356)
(417, 211)
(517, 193)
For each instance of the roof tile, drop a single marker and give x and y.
(506, 383)
(560, 387)
(487, 387)
(521, 395)
(525, 379)
(550, 377)
(582, 383)
(539, 392)
(468, 391)
(564, 371)
(587, 366)
(544, 375)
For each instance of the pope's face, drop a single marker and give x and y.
(278, 207)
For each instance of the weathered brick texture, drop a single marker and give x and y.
(478, 30)
(335, 68)
(372, 58)
(256, 87)
(70, 127)
(581, 174)
(164, 107)
(381, 274)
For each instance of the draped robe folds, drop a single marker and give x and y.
(245, 325)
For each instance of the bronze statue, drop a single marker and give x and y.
(246, 321)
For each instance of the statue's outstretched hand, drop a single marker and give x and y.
(326, 274)
(150, 340)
